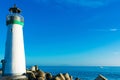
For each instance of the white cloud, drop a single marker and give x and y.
(116, 53)
(114, 29)
(105, 30)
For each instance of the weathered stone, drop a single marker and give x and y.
(100, 77)
(36, 68)
(33, 68)
(30, 75)
(67, 77)
(61, 76)
(48, 76)
(71, 78)
(40, 73)
(40, 78)
(57, 78)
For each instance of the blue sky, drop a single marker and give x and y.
(68, 32)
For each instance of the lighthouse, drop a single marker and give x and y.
(14, 60)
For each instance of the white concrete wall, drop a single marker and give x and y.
(14, 52)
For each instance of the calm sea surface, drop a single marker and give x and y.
(84, 73)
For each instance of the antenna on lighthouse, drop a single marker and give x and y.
(14, 9)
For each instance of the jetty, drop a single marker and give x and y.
(34, 73)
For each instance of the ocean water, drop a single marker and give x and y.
(84, 73)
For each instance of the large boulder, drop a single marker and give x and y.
(33, 68)
(48, 76)
(61, 76)
(67, 77)
(57, 78)
(40, 78)
(71, 78)
(36, 68)
(40, 73)
(30, 75)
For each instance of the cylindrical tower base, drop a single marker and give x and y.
(14, 78)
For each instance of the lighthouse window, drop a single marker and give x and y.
(11, 29)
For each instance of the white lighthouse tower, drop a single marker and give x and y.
(14, 61)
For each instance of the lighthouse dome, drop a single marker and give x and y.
(14, 17)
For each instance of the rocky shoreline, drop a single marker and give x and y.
(34, 73)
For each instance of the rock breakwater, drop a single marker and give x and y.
(34, 73)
